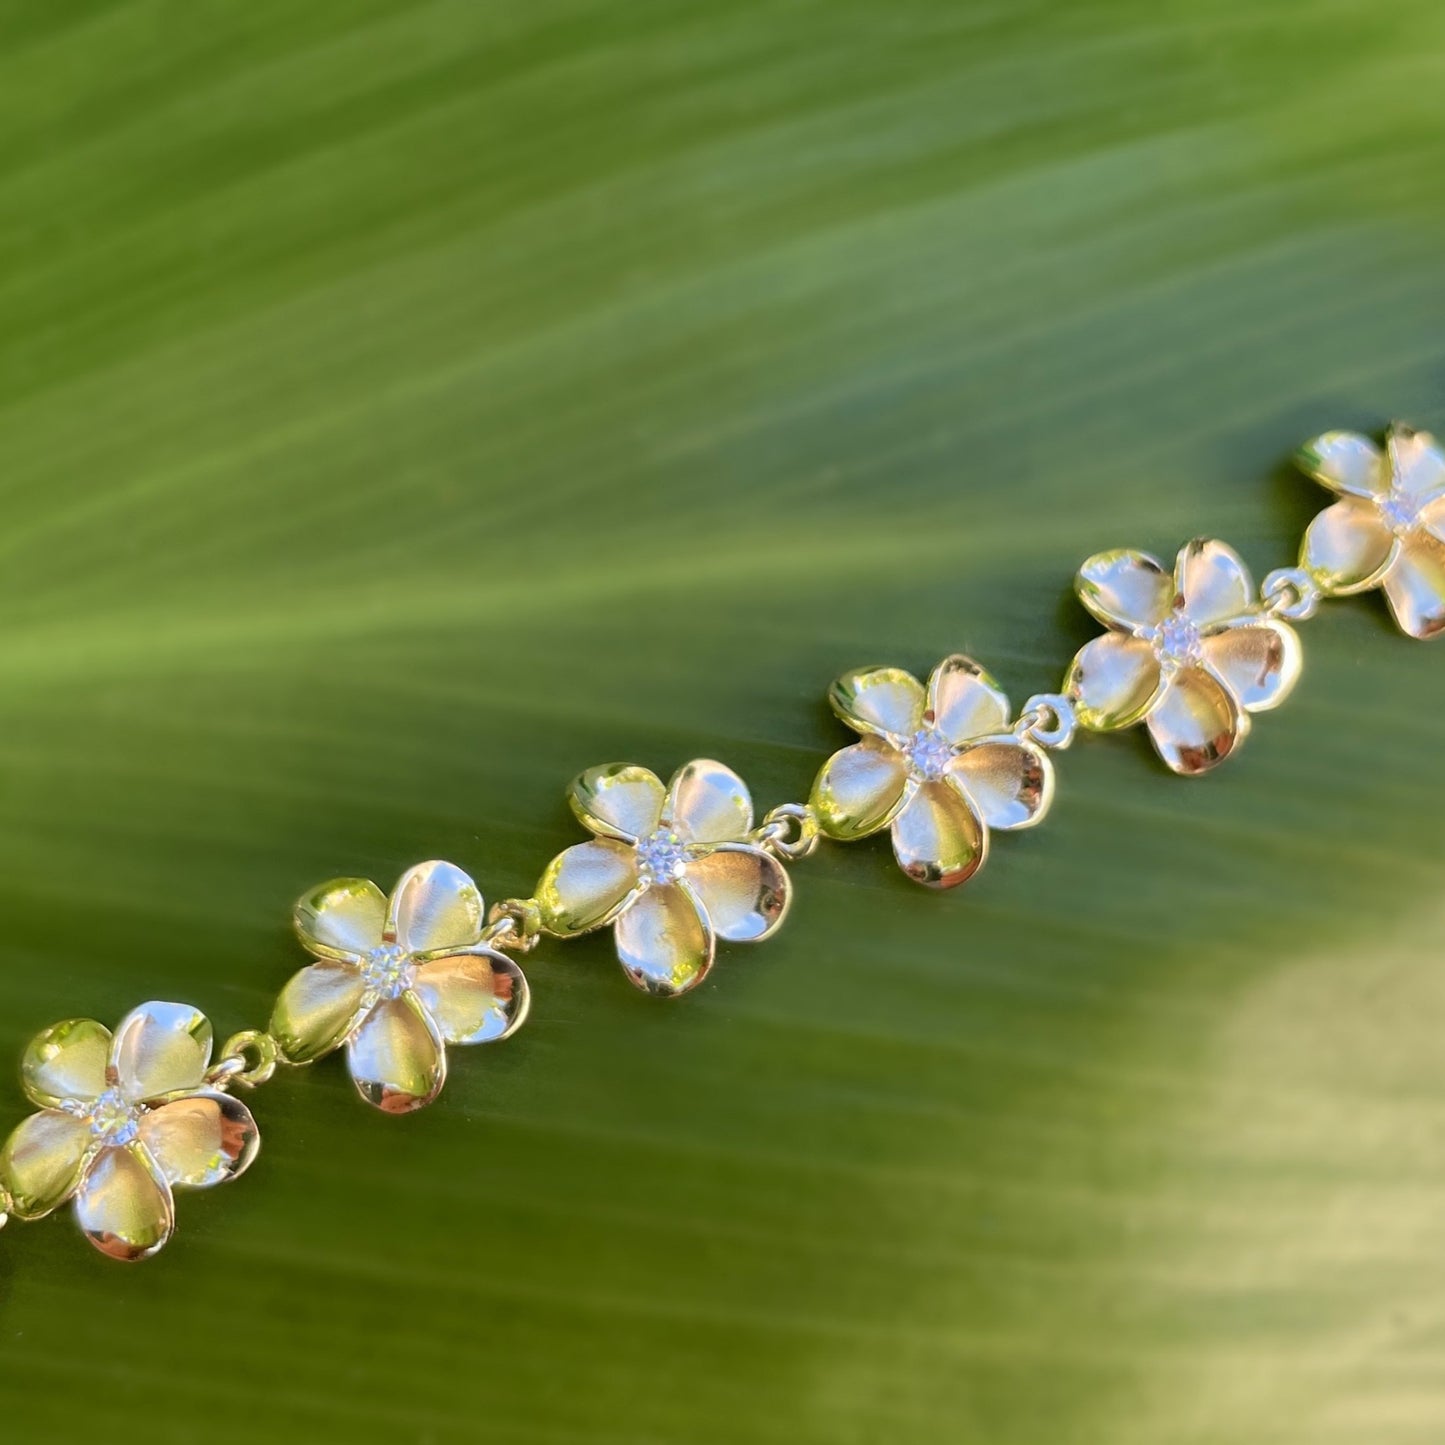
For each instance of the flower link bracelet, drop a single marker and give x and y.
(126, 1118)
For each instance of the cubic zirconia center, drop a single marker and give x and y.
(1176, 641)
(929, 754)
(661, 858)
(388, 970)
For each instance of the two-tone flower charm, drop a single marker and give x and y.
(124, 1119)
(1190, 653)
(1388, 528)
(396, 980)
(940, 767)
(671, 869)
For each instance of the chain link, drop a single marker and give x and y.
(247, 1060)
(788, 833)
(514, 924)
(1048, 719)
(1291, 593)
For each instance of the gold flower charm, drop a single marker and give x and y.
(123, 1120)
(672, 869)
(1192, 653)
(940, 767)
(397, 980)
(1388, 528)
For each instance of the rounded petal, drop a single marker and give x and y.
(1009, 782)
(1113, 681)
(343, 919)
(708, 803)
(860, 789)
(433, 906)
(396, 1057)
(317, 1009)
(1124, 588)
(41, 1163)
(586, 885)
(67, 1061)
(938, 839)
(159, 1048)
(1197, 723)
(1432, 518)
(743, 891)
(1348, 546)
(201, 1140)
(618, 800)
(1415, 585)
(1213, 583)
(1417, 462)
(664, 942)
(1259, 662)
(474, 998)
(124, 1205)
(1346, 462)
(965, 702)
(883, 700)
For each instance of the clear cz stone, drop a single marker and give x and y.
(661, 858)
(1400, 511)
(1176, 641)
(112, 1120)
(928, 753)
(388, 970)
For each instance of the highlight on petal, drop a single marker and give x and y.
(618, 800)
(343, 919)
(708, 803)
(201, 1140)
(124, 1206)
(1346, 462)
(159, 1048)
(1197, 723)
(474, 998)
(67, 1061)
(664, 942)
(1415, 585)
(435, 905)
(585, 886)
(1125, 588)
(317, 1009)
(1417, 463)
(1259, 662)
(883, 700)
(860, 789)
(1213, 583)
(42, 1161)
(965, 702)
(396, 1057)
(938, 839)
(1010, 782)
(743, 891)
(1348, 546)
(1113, 681)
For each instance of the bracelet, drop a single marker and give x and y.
(126, 1118)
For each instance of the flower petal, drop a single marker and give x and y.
(1259, 662)
(1009, 782)
(1197, 723)
(1417, 462)
(41, 1162)
(474, 998)
(1125, 588)
(343, 919)
(433, 906)
(860, 789)
(1346, 462)
(317, 1009)
(743, 891)
(1214, 585)
(965, 701)
(1432, 518)
(202, 1139)
(938, 839)
(618, 800)
(396, 1057)
(663, 941)
(708, 803)
(586, 885)
(124, 1205)
(67, 1061)
(159, 1048)
(1113, 681)
(1348, 546)
(883, 700)
(1415, 585)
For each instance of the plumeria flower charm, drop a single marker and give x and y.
(123, 1120)
(939, 766)
(396, 980)
(672, 869)
(1190, 653)
(1387, 529)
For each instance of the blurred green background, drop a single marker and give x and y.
(405, 405)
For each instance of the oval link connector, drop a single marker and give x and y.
(513, 924)
(1048, 719)
(789, 833)
(247, 1061)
